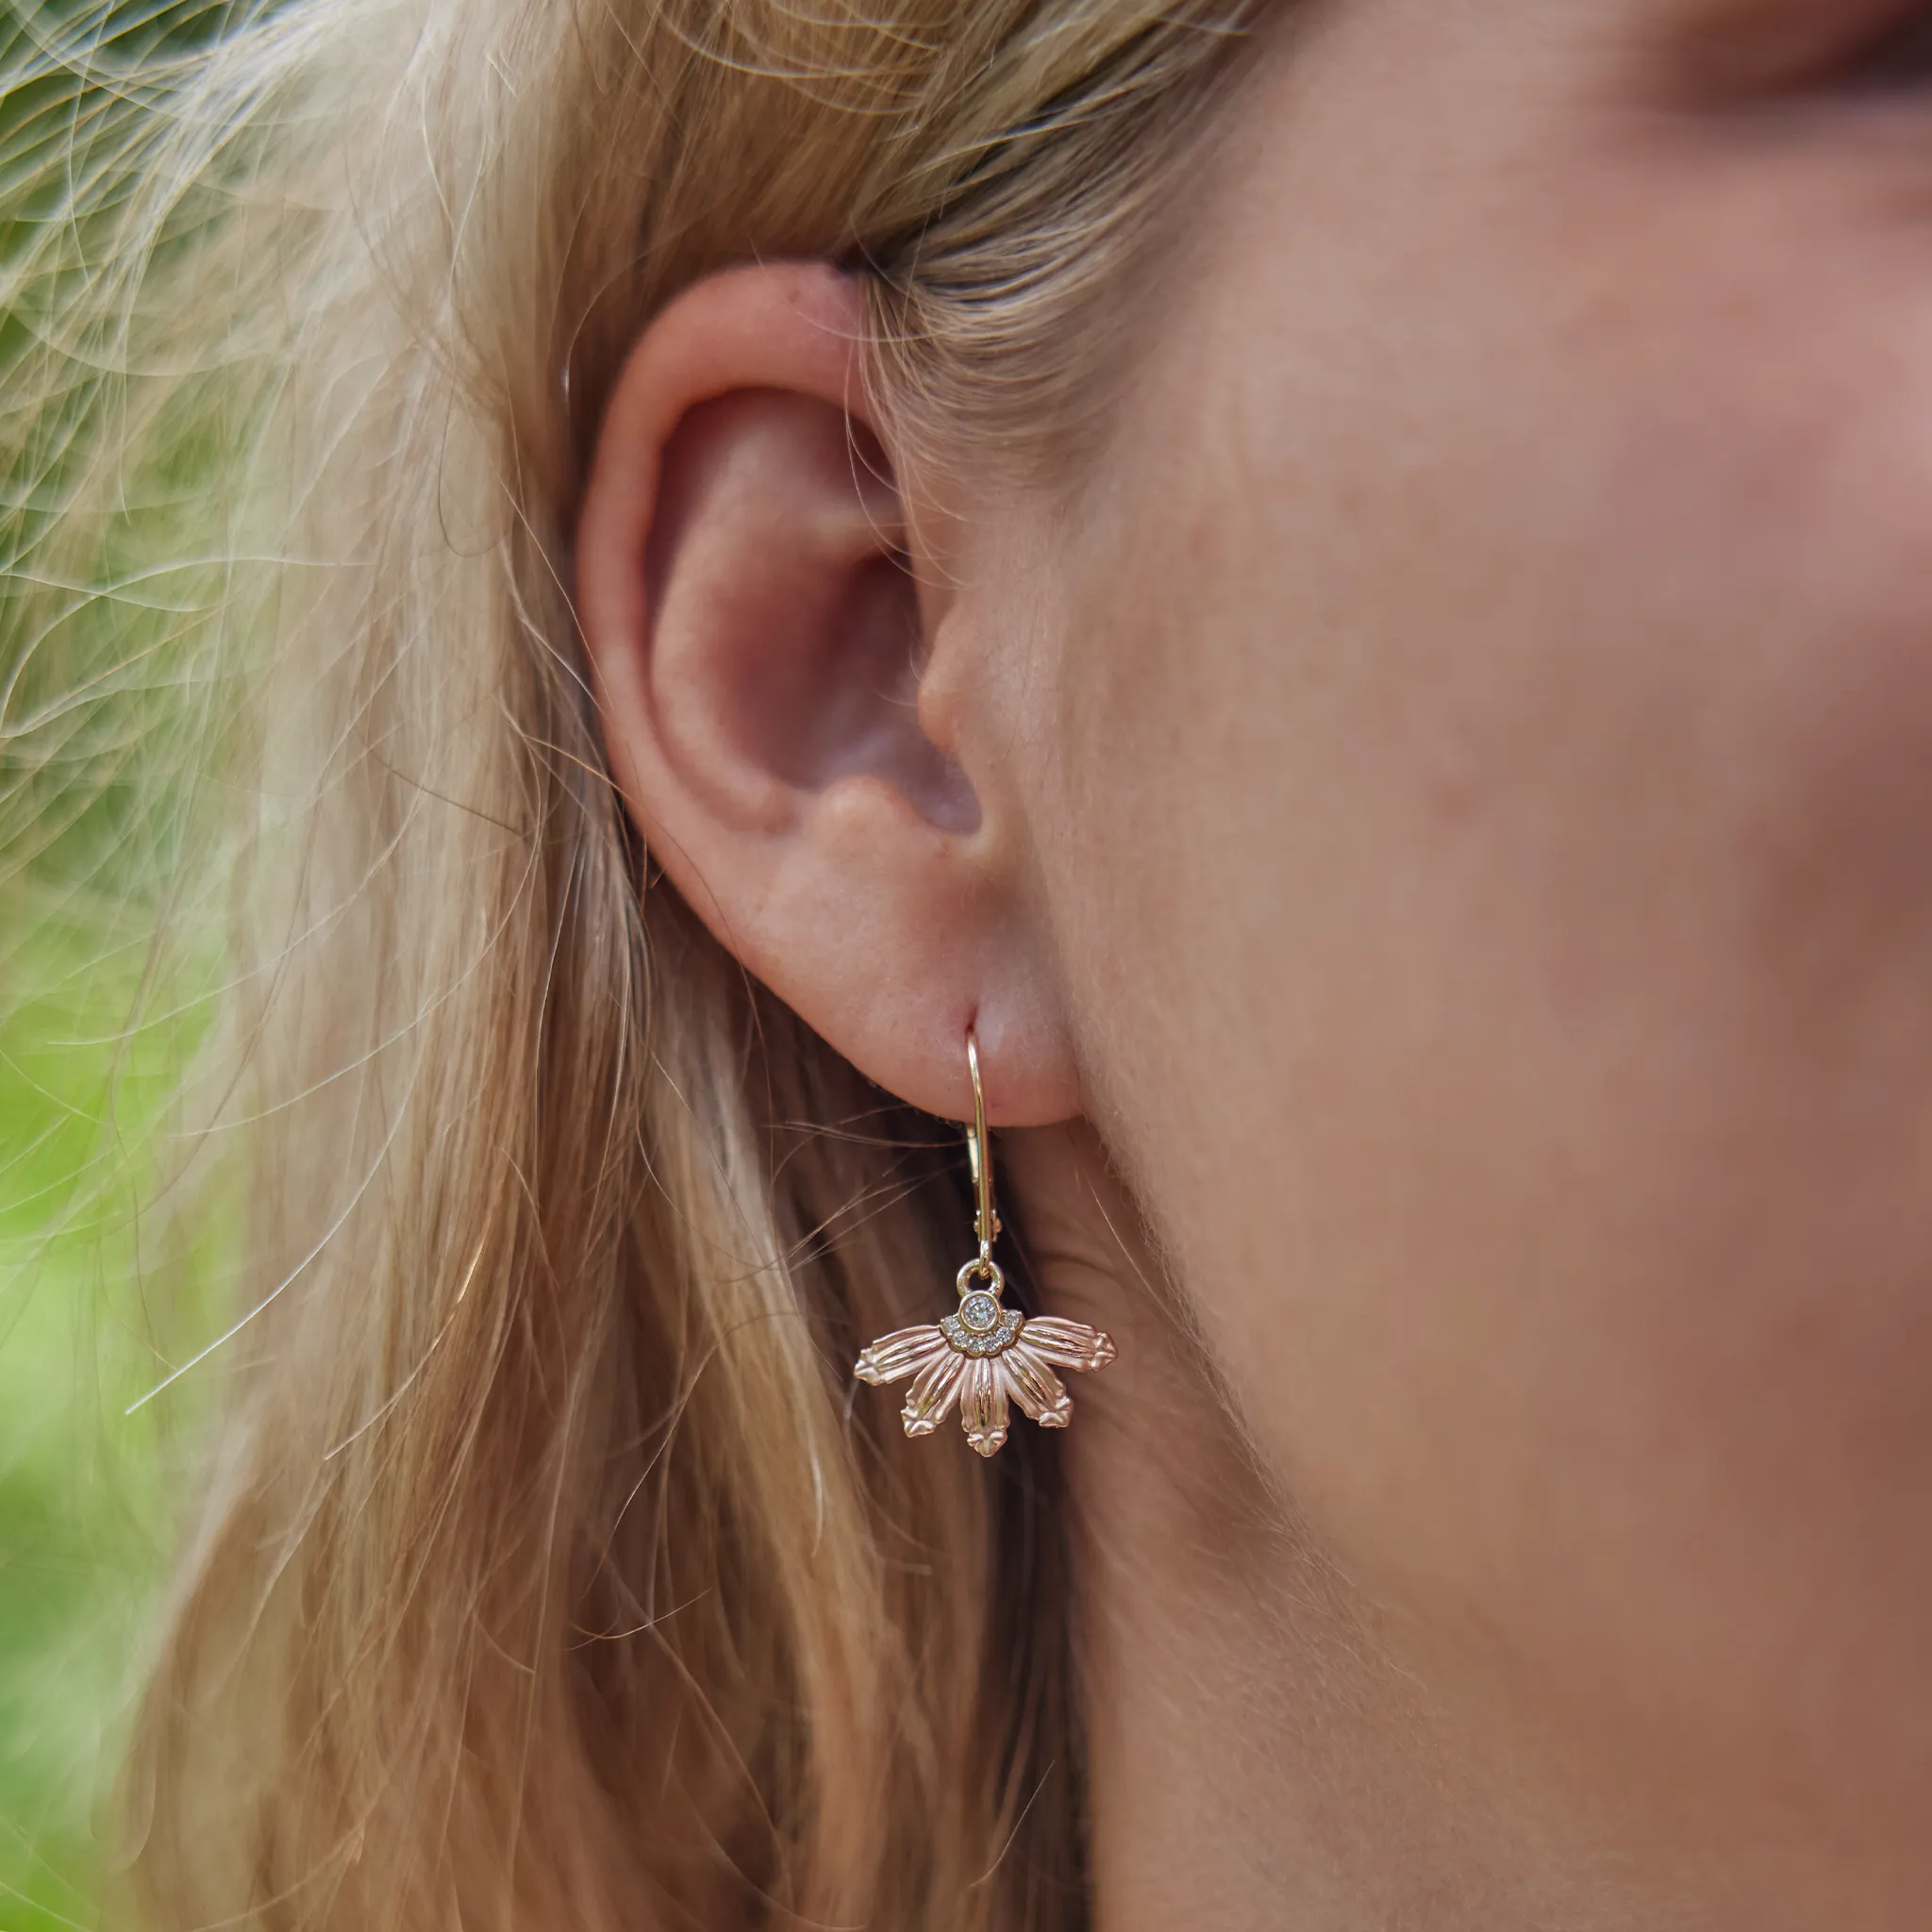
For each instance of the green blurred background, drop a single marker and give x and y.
(97, 1026)
(87, 1507)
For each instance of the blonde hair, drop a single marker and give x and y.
(546, 1573)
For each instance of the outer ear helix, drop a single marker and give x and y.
(984, 1355)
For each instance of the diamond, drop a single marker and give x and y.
(994, 1340)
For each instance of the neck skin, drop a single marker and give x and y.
(1256, 1759)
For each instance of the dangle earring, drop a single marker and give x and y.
(985, 1355)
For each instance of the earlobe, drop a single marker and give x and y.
(749, 587)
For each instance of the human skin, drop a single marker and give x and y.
(1453, 818)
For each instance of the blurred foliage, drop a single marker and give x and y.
(102, 710)
(87, 1493)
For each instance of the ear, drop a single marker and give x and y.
(765, 621)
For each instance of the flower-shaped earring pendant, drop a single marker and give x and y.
(986, 1356)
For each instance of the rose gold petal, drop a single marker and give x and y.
(983, 1405)
(933, 1393)
(1035, 1387)
(903, 1353)
(1070, 1345)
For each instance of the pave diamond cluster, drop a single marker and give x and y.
(982, 1326)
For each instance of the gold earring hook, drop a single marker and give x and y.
(986, 1220)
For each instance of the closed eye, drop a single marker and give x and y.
(1900, 57)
